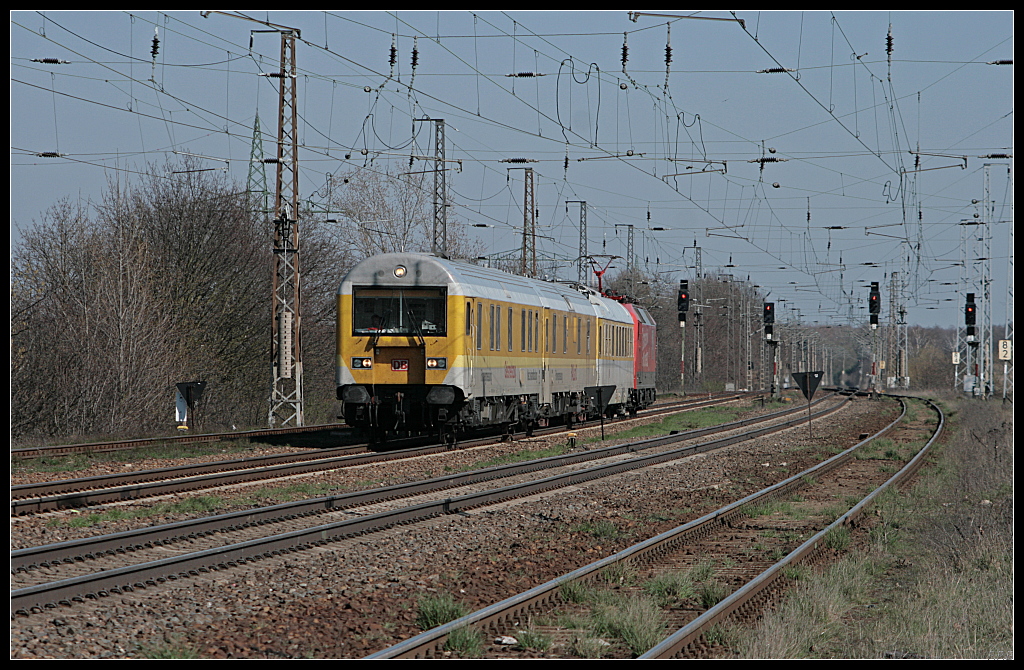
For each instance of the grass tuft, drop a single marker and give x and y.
(436, 611)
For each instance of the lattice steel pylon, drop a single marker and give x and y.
(583, 260)
(257, 182)
(975, 374)
(898, 375)
(286, 401)
(1008, 334)
(528, 267)
(439, 244)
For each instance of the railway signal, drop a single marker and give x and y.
(970, 316)
(874, 304)
(683, 301)
(769, 320)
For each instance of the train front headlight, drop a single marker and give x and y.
(437, 363)
(362, 363)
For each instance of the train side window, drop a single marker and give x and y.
(490, 330)
(588, 336)
(479, 325)
(469, 318)
(536, 330)
(529, 330)
(579, 340)
(522, 330)
(510, 313)
(497, 328)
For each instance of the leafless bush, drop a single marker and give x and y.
(163, 281)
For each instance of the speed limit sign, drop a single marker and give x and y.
(1005, 350)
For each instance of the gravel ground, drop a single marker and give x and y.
(358, 596)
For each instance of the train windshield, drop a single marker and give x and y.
(386, 311)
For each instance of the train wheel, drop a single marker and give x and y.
(446, 436)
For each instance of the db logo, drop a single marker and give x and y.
(510, 372)
(573, 371)
(400, 365)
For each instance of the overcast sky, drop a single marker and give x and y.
(793, 148)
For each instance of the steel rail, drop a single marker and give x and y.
(23, 559)
(125, 579)
(118, 445)
(494, 617)
(677, 643)
(86, 491)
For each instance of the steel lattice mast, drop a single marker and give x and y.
(286, 405)
(439, 244)
(529, 262)
(286, 314)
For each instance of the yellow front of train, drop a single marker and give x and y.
(400, 345)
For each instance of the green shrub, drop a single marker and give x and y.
(467, 642)
(436, 611)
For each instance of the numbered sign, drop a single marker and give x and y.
(1005, 350)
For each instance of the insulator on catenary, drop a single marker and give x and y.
(50, 154)
(51, 61)
(775, 70)
(525, 74)
(625, 50)
(156, 44)
(668, 55)
(518, 160)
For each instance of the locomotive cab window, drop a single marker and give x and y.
(386, 311)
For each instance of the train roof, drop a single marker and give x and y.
(462, 278)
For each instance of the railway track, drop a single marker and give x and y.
(88, 491)
(41, 577)
(26, 453)
(757, 556)
(120, 445)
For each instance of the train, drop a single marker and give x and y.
(429, 345)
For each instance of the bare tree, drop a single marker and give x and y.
(163, 281)
(386, 212)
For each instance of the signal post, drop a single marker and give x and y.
(970, 321)
(874, 309)
(769, 336)
(683, 306)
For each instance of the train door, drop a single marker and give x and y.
(470, 339)
(546, 373)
